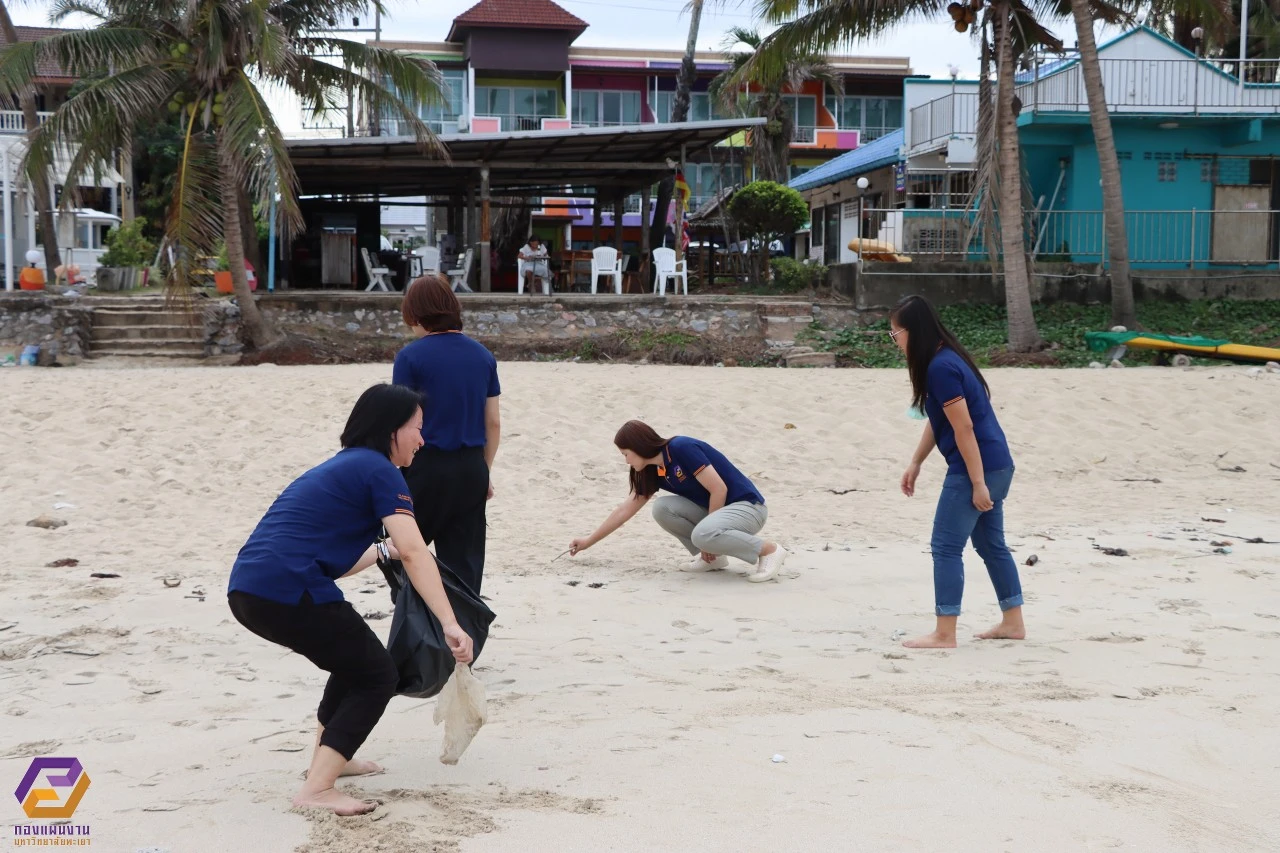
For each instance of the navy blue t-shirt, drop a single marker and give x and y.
(455, 376)
(951, 379)
(319, 526)
(684, 457)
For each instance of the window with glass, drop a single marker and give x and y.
(804, 116)
(519, 107)
(873, 117)
(595, 108)
(701, 107)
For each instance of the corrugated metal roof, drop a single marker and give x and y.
(866, 158)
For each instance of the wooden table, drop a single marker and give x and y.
(575, 265)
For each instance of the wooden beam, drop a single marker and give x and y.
(644, 238)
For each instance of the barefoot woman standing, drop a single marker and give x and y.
(949, 388)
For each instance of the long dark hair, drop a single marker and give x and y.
(380, 411)
(641, 439)
(925, 334)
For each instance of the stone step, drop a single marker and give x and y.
(810, 359)
(121, 317)
(148, 346)
(149, 331)
(158, 353)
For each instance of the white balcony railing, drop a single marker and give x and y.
(1194, 239)
(1158, 86)
(11, 121)
(940, 119)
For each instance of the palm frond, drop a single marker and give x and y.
(251, 132)
(194, 223)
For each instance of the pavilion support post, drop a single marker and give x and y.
(595, 222)
(486, 268)
(680, 214)
(469, 221)
(644, 237)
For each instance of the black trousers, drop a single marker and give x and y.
(450, 490)
(333, 636)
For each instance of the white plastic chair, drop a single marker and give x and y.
(605, 261)
(667, 267)
(425, 259)
(521, 264)
(458, 275)
(379, 277)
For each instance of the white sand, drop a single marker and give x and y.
(642, 716)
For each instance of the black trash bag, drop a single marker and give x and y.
(417, 643)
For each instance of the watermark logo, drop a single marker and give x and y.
(52, 788)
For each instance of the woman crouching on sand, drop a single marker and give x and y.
(714, 510)
(949, 388)
(322, 528)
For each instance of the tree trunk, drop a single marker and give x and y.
(258, 331)
(249, 228)
(40, 186)
(679, 113)
(1023, 334)
(1122, 308)
(128, 209)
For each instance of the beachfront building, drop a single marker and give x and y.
(515, 66)
(1199, 151)
(81, 225)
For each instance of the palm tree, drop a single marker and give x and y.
(1084, 13)
(813, 26)
(737, 90)
(43, 200)
(208, 62)
(679, 113)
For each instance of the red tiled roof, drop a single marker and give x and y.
(48, 68)
(534, 14)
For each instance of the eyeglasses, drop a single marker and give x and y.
(894, 335)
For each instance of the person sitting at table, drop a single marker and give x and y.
(534, 255)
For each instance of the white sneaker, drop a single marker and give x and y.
(767, 568)
(700, 565)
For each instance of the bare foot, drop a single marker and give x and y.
(357, 767)
(1016, 631)
(361, 767)
(932, 641)
(333, 800)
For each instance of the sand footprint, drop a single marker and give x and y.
(692, 629)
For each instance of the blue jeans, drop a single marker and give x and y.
(957, 521)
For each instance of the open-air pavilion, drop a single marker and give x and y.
(475, 172)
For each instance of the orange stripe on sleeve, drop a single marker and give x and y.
(953, 400)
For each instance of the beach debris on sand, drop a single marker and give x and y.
(47, 522)
(63, 563)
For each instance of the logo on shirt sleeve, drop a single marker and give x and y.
(406, 499)
(679, 472)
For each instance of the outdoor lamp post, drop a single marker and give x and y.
(863, 185)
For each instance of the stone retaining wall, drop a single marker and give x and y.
(546, 320)
(60, 325)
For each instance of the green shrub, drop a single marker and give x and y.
(127, 247)
(792, 276)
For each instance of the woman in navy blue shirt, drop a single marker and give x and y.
(713, 509)
(948, 387)
(458, 380)
(322, 528)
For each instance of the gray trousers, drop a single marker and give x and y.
(730, 530)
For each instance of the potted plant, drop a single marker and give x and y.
(125, 264)
(222, 272)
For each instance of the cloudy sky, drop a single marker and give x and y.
(931, 47)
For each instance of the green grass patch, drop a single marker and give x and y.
(982, 329)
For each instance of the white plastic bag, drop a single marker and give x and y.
(462, 708)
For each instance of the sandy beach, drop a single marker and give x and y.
(636, 708)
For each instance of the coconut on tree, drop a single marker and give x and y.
(209, 64)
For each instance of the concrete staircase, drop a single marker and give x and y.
(144, 326)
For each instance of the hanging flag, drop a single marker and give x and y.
(682, 191)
